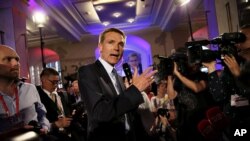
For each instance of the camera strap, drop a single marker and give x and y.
(5, 107)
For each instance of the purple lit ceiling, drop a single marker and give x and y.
(71, 19)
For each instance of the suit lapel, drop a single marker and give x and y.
(46, 100)
(104, 77)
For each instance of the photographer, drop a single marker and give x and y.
(164, 126)
(161, 99)
(79, 114)
(164, 111)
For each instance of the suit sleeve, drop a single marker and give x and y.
(41, 111)
(103, 105)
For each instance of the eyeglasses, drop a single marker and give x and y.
(54, 82)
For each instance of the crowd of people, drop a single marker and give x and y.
(100, 105)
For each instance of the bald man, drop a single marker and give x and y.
(19, 101)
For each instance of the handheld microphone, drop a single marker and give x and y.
(127, 71)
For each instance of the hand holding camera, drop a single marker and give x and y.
(63, 122)
(232, 64)
(36, 127)
(210, 66)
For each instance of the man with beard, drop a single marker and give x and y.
(20, 103)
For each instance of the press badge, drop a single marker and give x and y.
(239, 101)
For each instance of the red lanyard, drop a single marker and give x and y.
(5, 105)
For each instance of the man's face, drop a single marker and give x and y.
(50, 82)
(133, 61)
(9, 63)
(112, 47)
(245, 44)
(75, 86)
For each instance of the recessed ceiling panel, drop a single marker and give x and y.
(116, 12)
(87, 11)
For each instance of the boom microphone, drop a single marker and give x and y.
(127, 71)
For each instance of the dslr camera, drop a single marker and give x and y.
(163, 112)
(79, 111)
(80, 119)
(36, 126)
(226, 46)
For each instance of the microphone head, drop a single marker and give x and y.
(127, 71)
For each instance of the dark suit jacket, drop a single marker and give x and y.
(105, 108)
(51, 107)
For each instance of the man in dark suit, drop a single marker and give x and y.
(54, 102)
(134, 60)
(109, 105)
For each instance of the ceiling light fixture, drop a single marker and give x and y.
(95, 2)
(131, 20)
(106, 23)
(99, 8)
(182, 2)
(39, 18)
(130, 3)
(117, 14)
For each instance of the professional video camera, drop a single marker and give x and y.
(226, 43)
(166, 65)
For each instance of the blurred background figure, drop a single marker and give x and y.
(134, 61)
(164, 112)
(244, 48)
(75, 96)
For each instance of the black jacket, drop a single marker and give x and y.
(105, 108)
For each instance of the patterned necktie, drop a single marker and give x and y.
(119, 88)
(117, 82)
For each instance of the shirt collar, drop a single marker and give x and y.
(106, 65)
(48, 93)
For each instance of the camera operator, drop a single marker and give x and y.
(189, 89)
(233, 98)
(228, 94)
(244, 52)
(244, 48)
